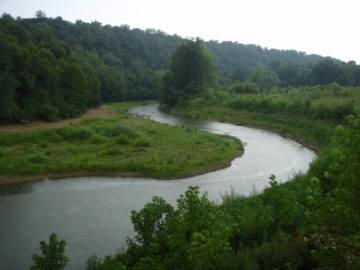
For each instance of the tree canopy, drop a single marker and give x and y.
(51, 68)
(192, 71)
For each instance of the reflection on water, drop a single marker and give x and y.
(15, 189)
(93, 213)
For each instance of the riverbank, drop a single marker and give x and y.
(99, 112)
(111, 144)
(314, 134)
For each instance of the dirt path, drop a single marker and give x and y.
(99, 112)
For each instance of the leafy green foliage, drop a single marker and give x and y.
(198, 234)
(193, 236)
(315, 133)
(150, 223)
(115, 131)
(326, 102)
(52, 257)
(53, 69)
(73, 134)
(37, 158)
(334, 222)
(243, 88)
(192, 71)
(264, 77)
(94, 263)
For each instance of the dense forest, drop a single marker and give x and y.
(52, 69)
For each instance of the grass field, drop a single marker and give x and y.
(311, 123)
(119, 144)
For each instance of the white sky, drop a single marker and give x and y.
(325, 27)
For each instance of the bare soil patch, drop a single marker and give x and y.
(99, 112)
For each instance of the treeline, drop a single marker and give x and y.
(268, 68)
(52, 69)
(192, 78)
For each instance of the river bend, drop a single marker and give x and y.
(93, 213)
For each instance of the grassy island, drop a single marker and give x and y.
(116, 144)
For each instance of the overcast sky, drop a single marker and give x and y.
(325, 27)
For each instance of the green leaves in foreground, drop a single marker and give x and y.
(52, 257)
(334, 223)
(192, 236)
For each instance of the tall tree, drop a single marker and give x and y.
(265, 77)
(327, 71)
(192, 71)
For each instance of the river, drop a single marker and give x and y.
(93, 213)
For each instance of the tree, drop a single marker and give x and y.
(335, 217)
(53, 257)
(192, 71)
(40, 14)
(327, 71)
(264, 77)
(243, 88)
(108, 263)
(8, 106)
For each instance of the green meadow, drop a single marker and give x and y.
(306, 114)
(119, 145)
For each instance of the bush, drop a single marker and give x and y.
(244, 88)
(122, 140)
(94, 263)
(142, 142)
(114, 131)
(52, 257)
(114, 152)
(97, 139)
(37, 158)
(75, 133)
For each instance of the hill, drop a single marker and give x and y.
(52, 69)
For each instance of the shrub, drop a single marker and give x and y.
(52, 255)
(244, 88)
(97, 139)
(51, 135)
(37, 158)
(94, 263)
(122, 140)
(114, 131)
(142, 142)
(75, 133)
(114, 152)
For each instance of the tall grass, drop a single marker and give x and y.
(120, 145)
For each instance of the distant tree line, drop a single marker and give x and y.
(52, 69)
(270, 67)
